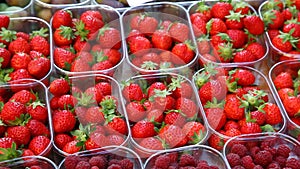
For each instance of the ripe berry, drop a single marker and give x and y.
(233, 159)
(283, 150)
(247, 162)
(263, 158)
(83, 165)
(99, 161)
(293, 163)
(162, 162)
(187, 160)
(239, 149)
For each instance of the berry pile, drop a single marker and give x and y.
(86, 43)
(234, 103)
(23, 54)
(24, 130)
(86, 116)
(282, 23)
(108, 161)
(180, 160)
(270, 152)
(227, 32)
(163, 112)
(159, 44)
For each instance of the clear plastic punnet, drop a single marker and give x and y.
(28, 162)
(17, 9)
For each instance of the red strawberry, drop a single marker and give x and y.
(173, 135)
(283, 80)
(215, 26)
(139, 44)
(151, 143)
(4, 21)
(19, 45)
(38, 111)
(216, 141)
(221, 9)
(67, 101)
(212, 89)
(155, 115)
(39, 67)
(175, 118)
(12, 111)
(63, 58)
(244, 56)
(61, 140)
(81, 45)
(23, 96)
(199, 26)
(250, 127)
(92, 21)
(203, 45)
(273, 114)
(20, 134)
(20, 74)
(203, 10)
(40, 44)
(258, 117)
(291, 105)
(234, 20)
(216, 117)
(59, 87)
(283, 42)
(132, 92)
(37, 128)
(187, 107)
(6, 142)
(288, 27)
(179, 32)
(256, 49)
(184, 52)
(62, 17)
(135, 111)
(6, 56)
(63, 121)
(115, 140)
(80, 65)
(63, 36)
(94, 115)
(273, 19)
(243, 77)
(109, 38)
(96, 94)
(254, 24)
(20, 60)
(147, 24)
(232, 108)
(143, 129)
(114, 56)
(194, 131)
(117, 126)
(71, 147)
(161, 39)
(238, 38)
(39, 144)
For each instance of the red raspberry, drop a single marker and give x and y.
(213, 167)
(162, 161)
(114, 166)
(283, 150)
(126, 164)
(187, 160)
(71, 162)
(258, 167)
(263, 158)
(274, 165)
(173, 157)
(247, 162)
(238, 167)
(83, 165)
(296, 149)
(280, 160)
(251, 144)
(99, 161)
(293, 163)
(254, 150)
(233, 159)
(202, 165)
(239, 149)
(94, 167)
(268, 143)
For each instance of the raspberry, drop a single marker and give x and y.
(113, 161)
(202, 161)
(233, 159)
(71, 162)
(114, 166)
(126, 164)
(83, 165)
(173, 156)
(296, 150)
(202, 166)
(187, 160)
(214, 167)
(162, 161)
(239, 149)
(274, 165)
(292, 163)
(268, 143)
(238, 167)
(35, 167)
(272, 150)
(251, 144)
(247, 162)
(280, 160)
(283, 150)
(254, 150)
(258, 167)
(94, 167)
(99, 161)
(263, 158)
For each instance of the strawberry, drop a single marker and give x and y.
(288, 27)
(96, 94)
(151, 143)
(215, 26)
(114, 56)
(143, 129)
(199, 26)
(5, 57)
(147, 24)
(184, 52)
(59, 87)
(39, 42)
(67, 101)
(117, 126)
(6, 142)
(20, 61)
(284, 42)
(39, 67)
(256, 49)
(63, 58)
(12, 111)
(109, 38)
(37, 128)
(19, 45)
(244, 56)
(238, 38)
(212, 89)
(224, 52)
(94, 115)
(20, 74)
(63, 36)
(139, 44)
(273, 19)
(187, 107)
(291, 105)
(243, 77)
(258, 117)
(4, 21)
(203, 45)
(39, 144)
(203, 10)
(60, 140)
(273, 114)
(250, 127)
(135, 111)
(23, 96)
(221, 10)
(216, 117)
(63, 121)
(232, 108)
(155, 115)
(38, 111)
(62, 18)
(175, 118)
(155, 86)
(81, 45)
(173, 135)
(71, 147)
(20, 134)
(161, 39)
(179, 32)
(234, 20)
(194, 131)
(80, 65)
(92, 21)
(216, 141)
(254, 24)
(283, 80)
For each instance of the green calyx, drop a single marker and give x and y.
(81, 31)
(21, 121)
(267, 128)
(248, 118)
(149, 65)
(66, 32)
(188, 43)
(202, 7)
(37, 103)
(240, 4)
(10, 153)
(8, 35)
(203, 38)
(269, 16)
(201, 78)
(159, 93)
(215, 104)
(165, 65)
(175, 83)
(197, 137)
(287, 37)
(272, 4)
(224, 36)
(109, 109)
(42, 32)
(85, 100)
(4, 75)
(102, 31)
(234, 16)
(226, 51)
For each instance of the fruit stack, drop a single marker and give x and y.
(163, 112)
(87, 113)
(284, 77)
(109, 157)
(268, 150)
(87, 40)
(25, 53)
(26, 128)
(237, 100)
(46, 8)
(159, 38)
(30, 162)
(228, 33)
(281, 20)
